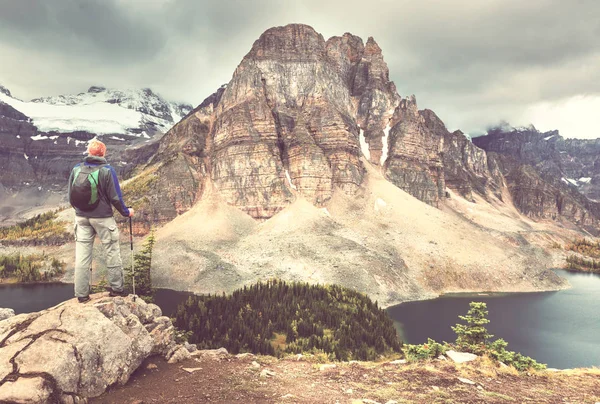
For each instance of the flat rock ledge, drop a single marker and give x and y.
(73, 351)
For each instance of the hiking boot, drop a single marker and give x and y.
(115, 293)
(83, 299)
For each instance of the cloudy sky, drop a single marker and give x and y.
(474, 62)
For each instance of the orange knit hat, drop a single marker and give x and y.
(96, 148)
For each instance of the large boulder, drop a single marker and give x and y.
(74, 350)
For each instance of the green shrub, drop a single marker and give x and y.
(431, 349)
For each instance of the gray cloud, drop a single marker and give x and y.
(473, 62)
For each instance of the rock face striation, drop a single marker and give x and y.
(74, 351)
(548, 177)
(295, 120)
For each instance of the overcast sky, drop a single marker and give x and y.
(474, 62)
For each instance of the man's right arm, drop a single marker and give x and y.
(70, 184)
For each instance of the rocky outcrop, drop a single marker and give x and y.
(548, 177)
(415, 161)
(74, 351)
(467, 168)
(425, 158)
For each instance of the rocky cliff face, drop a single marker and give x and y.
(548, 176)
(290, 122)
(295, 119)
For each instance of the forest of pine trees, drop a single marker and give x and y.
(277, 318)
(588, 258)
(42, 229)
(28, 268)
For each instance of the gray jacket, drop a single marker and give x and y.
(108, 189)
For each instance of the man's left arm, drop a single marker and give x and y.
(114, 192)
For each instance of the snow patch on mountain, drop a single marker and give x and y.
(384, 150)
(363, 145)
(101, 111)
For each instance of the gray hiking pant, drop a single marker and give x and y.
(108, 232)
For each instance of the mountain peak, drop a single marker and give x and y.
(290, 42)
(372, 48)
(4, 90)
(96, 89)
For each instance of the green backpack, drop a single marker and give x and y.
(84, 189)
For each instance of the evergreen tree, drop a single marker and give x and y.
(142, 269)
(473, 337)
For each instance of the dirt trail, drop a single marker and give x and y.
(228, 379)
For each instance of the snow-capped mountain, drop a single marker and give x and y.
(101, 111)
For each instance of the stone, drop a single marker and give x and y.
(461, 357)
(6, 313)
(211, 353)
(435, 388)
(179, 355)
(255, 365)
(25, 390)
(191, 370)
(466, 381)
(266, 373)
(398, 362)
(190, 347)
(327, 366)
(83, 348)
(287, 396)
(244, 355)
(151, 366)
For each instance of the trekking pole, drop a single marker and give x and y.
(132, 266)
(90, 286)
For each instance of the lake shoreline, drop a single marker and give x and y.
(425, 297)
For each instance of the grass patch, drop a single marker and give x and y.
(501, 396)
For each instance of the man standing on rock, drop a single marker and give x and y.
(93, 191)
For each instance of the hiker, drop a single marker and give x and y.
(93, 191)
